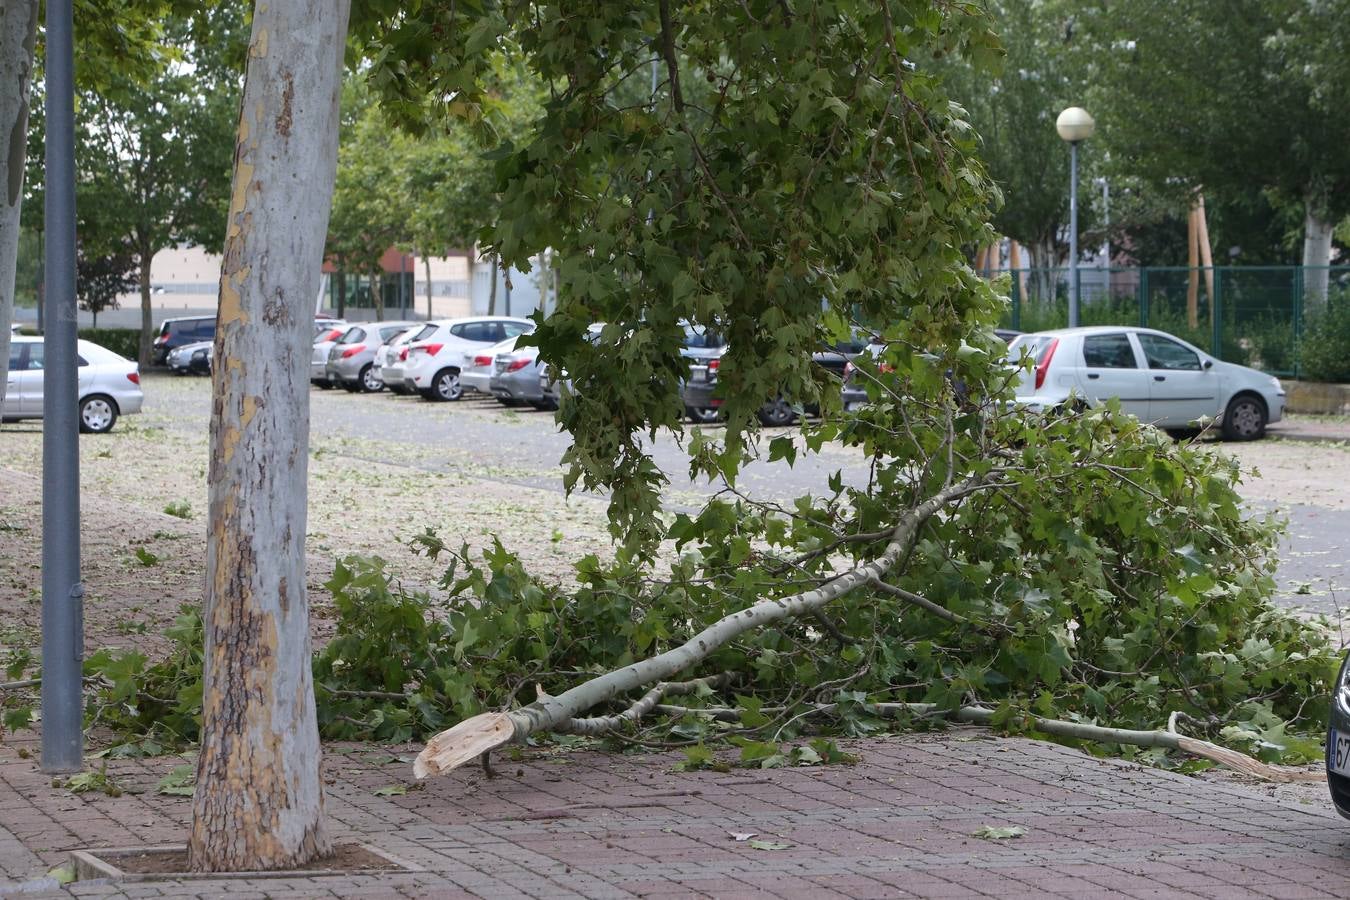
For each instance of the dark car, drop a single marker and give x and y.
(855, 394)
(1338, 743)
(702, 406)
(191, 359)
(174, 333)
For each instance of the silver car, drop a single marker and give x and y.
(516, 379)
(351, 360)
(323, 342)
(110, 385)
(476, 373)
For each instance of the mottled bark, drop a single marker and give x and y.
(259, 798)
(18, 26)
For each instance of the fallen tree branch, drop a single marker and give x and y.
(487, 731)
(1168, 739)
(645, 704)
(19, 685)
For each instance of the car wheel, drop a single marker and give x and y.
(1245, 418)
(704, 415)
(370, 382)
(98, 414)
(776, 413)
(445, 386)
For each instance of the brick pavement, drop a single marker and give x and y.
(596, 825)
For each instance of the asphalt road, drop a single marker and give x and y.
(479, 437)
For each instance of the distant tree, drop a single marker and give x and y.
(157, 155)
(1230, 98)
(102, 277)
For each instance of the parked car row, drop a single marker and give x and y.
(1155, 376)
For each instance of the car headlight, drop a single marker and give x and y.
(199, 354)
(1275, 382)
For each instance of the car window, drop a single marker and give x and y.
(1035, 345)
(516, 329)
(457, 330)
(205, 330)
(426, 332)
(391, 332)
(479, 332)
(1109, 351)
(1165, 353)
(353, 336)
(16, 356)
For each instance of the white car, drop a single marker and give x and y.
(434, 358)
(1157, 377)
(387, 366)
(110, 385)
(476, 374)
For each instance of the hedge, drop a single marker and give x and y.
(123, 341)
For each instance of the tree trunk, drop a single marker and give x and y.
(426, 264)
(1317, 231)
(259, 800)
(1043, 281)
(18, 27)
(492, 289)
(147, 316)
(341, 276)
(377, 295)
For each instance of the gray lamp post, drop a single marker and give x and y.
(1074, 125)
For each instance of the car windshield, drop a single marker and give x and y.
(700, 338)
(426, 332)
(353, 336)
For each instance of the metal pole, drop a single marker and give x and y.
(1073, 234)
(62, 593)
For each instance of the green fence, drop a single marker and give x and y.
(1262, 316)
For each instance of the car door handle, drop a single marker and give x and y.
(1159, 377)
(1094, 375)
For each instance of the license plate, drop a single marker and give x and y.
(1338, 752)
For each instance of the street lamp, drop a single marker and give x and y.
(1074, 125)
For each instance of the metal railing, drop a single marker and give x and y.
(1251, 315)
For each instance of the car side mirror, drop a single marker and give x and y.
(1207, 364)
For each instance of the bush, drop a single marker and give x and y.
(122, 341)
(1325, 349)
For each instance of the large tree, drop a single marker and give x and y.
(156, 153)
(18, 30)
(259, 799)
(1227, 97)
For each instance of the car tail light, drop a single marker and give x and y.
(518, 364)
(482, 360)
(134, 377)
(1043, 366)
(403, 355)
(714, 365)
(332, 335)
(428, 349)
(352, 351)
(161, 340)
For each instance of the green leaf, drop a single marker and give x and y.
(999, 832)
(393, 790)
(768, 845)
